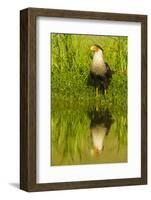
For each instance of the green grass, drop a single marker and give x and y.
(71, 61)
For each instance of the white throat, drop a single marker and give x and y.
(98, 135)
(99, 53)
(98, 65)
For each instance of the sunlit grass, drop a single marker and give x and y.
(71, 61)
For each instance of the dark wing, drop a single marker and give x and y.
(94, 80)
(102, 117)
(109, 72)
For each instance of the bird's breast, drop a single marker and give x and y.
(98, 65)
(98, 134)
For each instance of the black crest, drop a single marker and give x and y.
(98, 46)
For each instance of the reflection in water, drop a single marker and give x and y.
(87, 135)
(100, 125)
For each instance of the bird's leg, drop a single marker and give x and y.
(97, 106)
(97, 91)
(104, 91)
(105, 86)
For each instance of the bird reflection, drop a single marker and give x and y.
(101, 121)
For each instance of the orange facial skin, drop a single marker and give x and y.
(94, 48)
(95, 152)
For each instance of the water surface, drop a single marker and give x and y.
(87, 134)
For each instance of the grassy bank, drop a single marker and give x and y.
(70, 65)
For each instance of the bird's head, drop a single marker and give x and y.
(96, 48)
(96, 152)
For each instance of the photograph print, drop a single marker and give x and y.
(89, 75)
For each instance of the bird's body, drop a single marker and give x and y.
(100, 72)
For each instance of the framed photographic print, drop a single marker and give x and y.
(83, 99)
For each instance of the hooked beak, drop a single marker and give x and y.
(95, 152)
(92, 48)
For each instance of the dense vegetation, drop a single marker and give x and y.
(71, 60)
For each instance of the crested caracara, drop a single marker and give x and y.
(100, 72)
